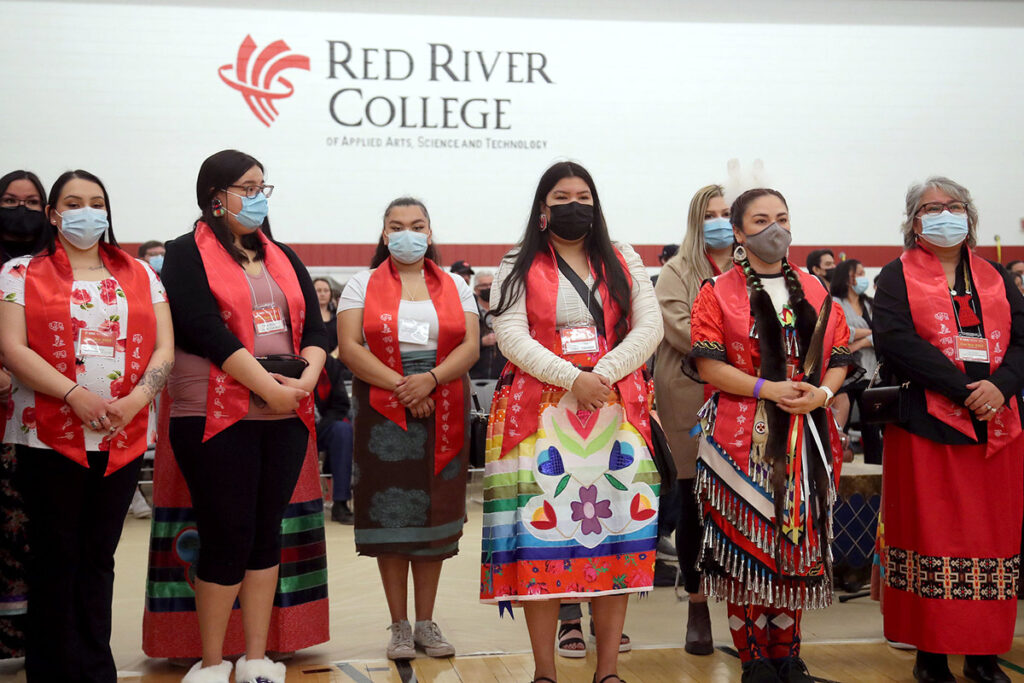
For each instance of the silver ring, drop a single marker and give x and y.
(991, 409)
(93, 423)
(112, 430)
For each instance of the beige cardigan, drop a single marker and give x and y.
(678, 397)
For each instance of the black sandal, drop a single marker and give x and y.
(625, 644)
(543, 678)
(615, 676)
(563, 640)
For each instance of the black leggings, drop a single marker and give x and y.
(75, 519)
(240, 481)
(688, 535)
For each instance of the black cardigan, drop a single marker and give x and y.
(909, 357)
(198, 326)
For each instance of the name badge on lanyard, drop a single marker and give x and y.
(96, 343)
(582, 339)
(413, 331)
(971, 349)
(268, 320)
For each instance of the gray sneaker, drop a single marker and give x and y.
(401, 645)
(429, 638)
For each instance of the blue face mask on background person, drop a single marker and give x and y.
(254, 211)
(157, 262)
(861, 284)
(407, 246)
(717, 233)
(83, 227)
(945, 230)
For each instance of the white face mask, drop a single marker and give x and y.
(407, 246)
(83, 227)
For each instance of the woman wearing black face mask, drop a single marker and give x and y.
(569, 451)
(23, 231)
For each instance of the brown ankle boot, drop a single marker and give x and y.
(698, 630)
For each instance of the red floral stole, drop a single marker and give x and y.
(227, 400)
(735, 415)
(380, 329)
(541, 310)
(932, 312)
(48, 284)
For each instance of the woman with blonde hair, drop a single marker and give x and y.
(706, 251)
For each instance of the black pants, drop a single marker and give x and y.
(75, 520)
(688, 535)
(240, 481)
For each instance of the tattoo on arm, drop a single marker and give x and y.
(155, 379)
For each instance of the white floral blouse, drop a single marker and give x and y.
(97, 305)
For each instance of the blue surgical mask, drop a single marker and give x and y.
(717, 233)
(83, 227)
(861, 284)
(254, 211)
(407, 246)
(945, 230)
(157, 262)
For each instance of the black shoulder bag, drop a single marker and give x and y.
(886, 404)
(660, 453)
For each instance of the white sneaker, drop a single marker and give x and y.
(139, 508)
(401, 645)
(221, 673)
(428, 636)
(259, 671)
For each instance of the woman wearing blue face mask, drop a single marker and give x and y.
(409, 332)
(849, 288)
(86, 333)
(706, 251)
(250, 349)
(952, 325)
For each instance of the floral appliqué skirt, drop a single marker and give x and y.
(572, 511)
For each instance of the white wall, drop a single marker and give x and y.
(843, 114)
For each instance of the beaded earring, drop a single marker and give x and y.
(217, 207)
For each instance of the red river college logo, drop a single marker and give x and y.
(258, 80)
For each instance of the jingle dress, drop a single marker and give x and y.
(951, 485)
(570, 497)
(767, 574)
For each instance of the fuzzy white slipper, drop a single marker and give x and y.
(259, 671)
(220, 673)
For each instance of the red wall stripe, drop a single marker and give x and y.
(489, 255)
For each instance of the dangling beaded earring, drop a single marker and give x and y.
(543, 222)
(739, 254)
(218, 208)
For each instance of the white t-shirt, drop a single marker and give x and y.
(94, 305)
(354, 296)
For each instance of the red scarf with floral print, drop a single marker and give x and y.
(227, 400)
(521, 417)
(48, 294)
(935, 322)
(380, 329)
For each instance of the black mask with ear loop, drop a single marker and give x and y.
(571, 221)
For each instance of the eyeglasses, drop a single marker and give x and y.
(9, 202)
(251, 191)
(935, 208)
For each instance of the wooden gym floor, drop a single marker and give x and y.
(842, 643)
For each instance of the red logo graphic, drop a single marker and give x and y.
(259, 82)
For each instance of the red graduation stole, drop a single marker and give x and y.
(932, 312)
(521, 417)
(227, 400)
(48, 284)
(380, 329)
(735, 415)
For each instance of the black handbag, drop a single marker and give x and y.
(662, 455)
(884, 405)
(286, 364)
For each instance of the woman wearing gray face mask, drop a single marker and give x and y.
(773, 345)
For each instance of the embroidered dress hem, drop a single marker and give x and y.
(570, 598)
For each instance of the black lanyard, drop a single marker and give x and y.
(596, 311)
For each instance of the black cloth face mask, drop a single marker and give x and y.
(571, 221)
(20, 230)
